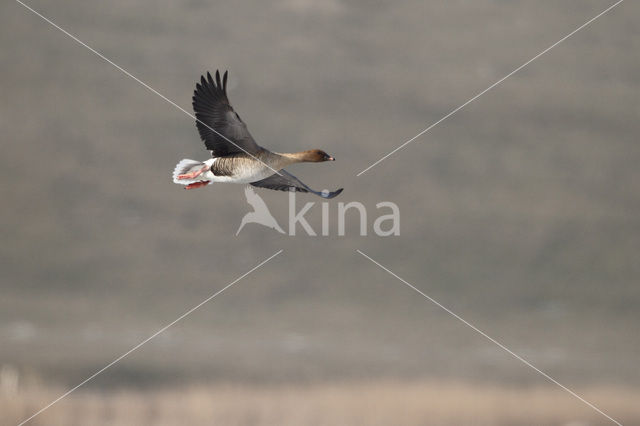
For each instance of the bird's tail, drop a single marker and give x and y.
(186, 166)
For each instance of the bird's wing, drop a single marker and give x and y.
(213, 111)
(287, 182)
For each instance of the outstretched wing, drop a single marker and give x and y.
(221, 129)
(287, 182)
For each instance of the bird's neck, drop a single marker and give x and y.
(280, 160)
(296, 157)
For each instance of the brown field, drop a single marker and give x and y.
(373, 403)
(520, 213)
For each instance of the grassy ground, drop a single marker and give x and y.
(374, 403)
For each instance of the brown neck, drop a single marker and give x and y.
(299, 157)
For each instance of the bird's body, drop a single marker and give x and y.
(237, 168)
(237, 158)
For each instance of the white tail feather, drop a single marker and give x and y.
(185, 166)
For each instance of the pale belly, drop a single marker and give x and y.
(244, 175)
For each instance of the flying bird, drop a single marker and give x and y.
(260, 214)
(236, 157)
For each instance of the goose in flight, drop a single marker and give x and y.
(237, 158)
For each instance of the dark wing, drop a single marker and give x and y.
(286, 182)
(221, 129)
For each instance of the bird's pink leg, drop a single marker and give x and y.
(194, 174)
(197, 184)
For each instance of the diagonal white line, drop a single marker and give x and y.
(515, 355)
(163, 329)
(128, 74)
(492, 86)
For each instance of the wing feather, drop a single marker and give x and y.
(220, 127)
(288, 182)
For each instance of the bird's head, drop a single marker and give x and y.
(316, 156)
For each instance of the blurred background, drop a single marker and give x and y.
(521, 213)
